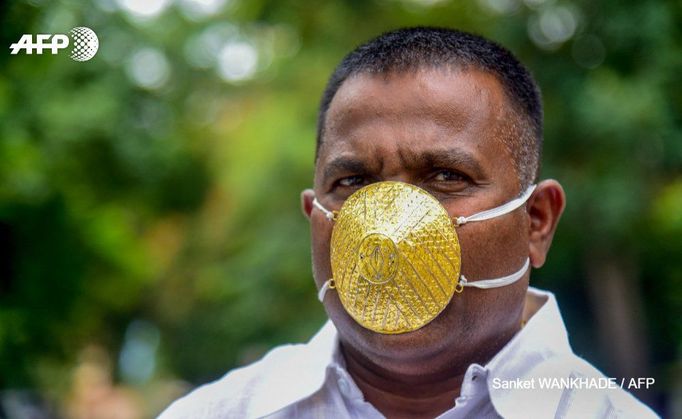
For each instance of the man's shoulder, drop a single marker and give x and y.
(591, 386)
(234, 392)
(284, 375)
(569, 386)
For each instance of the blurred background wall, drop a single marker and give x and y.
(150, 231)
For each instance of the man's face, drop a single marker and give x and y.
(443, 131)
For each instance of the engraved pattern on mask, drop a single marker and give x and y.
(395, 257)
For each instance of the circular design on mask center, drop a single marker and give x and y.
(395, 257)
(378, 258)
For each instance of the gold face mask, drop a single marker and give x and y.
(396, 258)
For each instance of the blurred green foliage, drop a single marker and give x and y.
(160, 181)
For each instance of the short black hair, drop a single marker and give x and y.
(411, 49)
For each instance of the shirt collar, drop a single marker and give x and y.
(542, 337)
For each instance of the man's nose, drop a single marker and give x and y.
(399, 177)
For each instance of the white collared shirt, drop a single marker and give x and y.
(536, 375)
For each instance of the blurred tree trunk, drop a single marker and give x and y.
(618, 308)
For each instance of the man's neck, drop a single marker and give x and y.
(396, 395)
(400, 395)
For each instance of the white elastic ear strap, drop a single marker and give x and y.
(501, 210)
(497, 282)
(486, 215)
(327, 213)
(483, 283)
(323, 290)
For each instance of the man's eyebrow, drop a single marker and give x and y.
(445, 158)
(448, 158)
(343, 165)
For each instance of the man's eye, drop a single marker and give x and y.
(448, 176)
(351, 181)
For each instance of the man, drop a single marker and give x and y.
(425, 216)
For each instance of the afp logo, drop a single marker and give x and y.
(84, 40)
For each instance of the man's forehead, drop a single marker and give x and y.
(411, 107)
(449, 96)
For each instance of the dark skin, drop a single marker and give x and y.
(441, 130)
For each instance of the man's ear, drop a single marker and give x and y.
(307, 197)
(544, 209)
